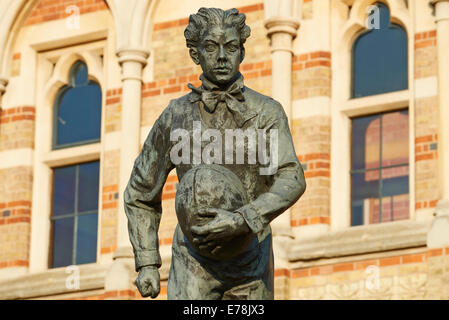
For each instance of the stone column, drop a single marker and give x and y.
(120, 278)
(132, 62)
(282, 31)
(439, 233)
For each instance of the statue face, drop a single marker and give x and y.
(219, 54)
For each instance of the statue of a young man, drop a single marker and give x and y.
(222, 246)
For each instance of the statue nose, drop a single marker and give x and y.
(222, 53)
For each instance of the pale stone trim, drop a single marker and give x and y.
(361, 240)
(52, 282)
(377, 103)
(426, 87)
(442, 22)
(311, 230)
(93, 36)
(73, 155)
(75, 295)
(144, 131)
(111, 141)
(16, 158)
(310, 107)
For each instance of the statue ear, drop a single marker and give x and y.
(194, 55)
(242, 53)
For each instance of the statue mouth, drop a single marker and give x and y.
(221, 70)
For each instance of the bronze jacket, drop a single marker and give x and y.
(269, 195)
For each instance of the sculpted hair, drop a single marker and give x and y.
(208, 17)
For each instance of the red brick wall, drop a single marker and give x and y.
(113, 110)
(15, 215)
(311, 136)
(109, 194)
(426, 124)
(16, 132)
(48, 10)
(311, 75)
(17, 128)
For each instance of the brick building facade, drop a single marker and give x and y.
(300, 52)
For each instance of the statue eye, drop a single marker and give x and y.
(232, 47)
(210, 47)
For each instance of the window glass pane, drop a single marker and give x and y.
(78, 110)
(64, 190)
(62, 242)
(79, 115)
(380, 59)
(365, 142)
(86, 239)
(365, 193)
(380, 190)
(78, 183)
(80, 76)
(88, 186)
(395, 139)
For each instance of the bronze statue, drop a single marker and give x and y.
(222, 246)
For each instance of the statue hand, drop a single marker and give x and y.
(148, 282)
(224, 226)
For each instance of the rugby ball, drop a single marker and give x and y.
(210, 186)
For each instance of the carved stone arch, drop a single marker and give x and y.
(149, 23)
(12, 18)
(62, 69)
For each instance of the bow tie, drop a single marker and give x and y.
(209, 94)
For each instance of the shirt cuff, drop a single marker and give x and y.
(252, 218)
(147, 258)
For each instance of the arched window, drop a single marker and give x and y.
(380, 58)
(77, 111)
(74, 218)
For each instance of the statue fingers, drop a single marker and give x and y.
(209, 245)
(155, 289)
(207, 213)
(202, 230)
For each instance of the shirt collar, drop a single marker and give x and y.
(207, 85)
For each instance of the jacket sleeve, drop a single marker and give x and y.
(143, 193)
(287, 182)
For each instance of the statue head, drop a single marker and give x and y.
(215, 40)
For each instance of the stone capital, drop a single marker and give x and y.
(281, 31)
(133, 54)
(441, 9)
(132, 61)
(434, 2)
(282, 25)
